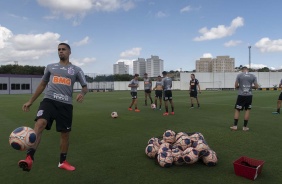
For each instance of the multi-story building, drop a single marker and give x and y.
(218, 64)
(139, 66)
(121, 68)
(154, 66)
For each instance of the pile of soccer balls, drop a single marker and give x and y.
(180, 149)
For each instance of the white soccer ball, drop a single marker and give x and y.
(153, 106)
(114, 114)
(22, 138)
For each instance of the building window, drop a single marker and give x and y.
(25, 87)
(3, 86)
(15, 86)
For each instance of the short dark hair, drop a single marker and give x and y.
(68, 46)
(164, 72)
(136, 75)
(159, 76)
(145, 74)
(244, 67)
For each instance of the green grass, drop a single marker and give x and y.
(112, 151)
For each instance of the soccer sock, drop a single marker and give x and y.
(245, 123)
(145, 102)
(192, 105)
(278, 110)
(63, 157)
(30, 152)
(160, 106)
(198, 105)
(235, 122)
(166, 109)
(172, 109)
(151, 100)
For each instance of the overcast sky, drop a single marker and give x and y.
(103, 32)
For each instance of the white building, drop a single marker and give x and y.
(139, 66)
(154, 66)
(121, 68)
(218, 64)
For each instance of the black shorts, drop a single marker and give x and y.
(147, 91)
(133, 95)
(53, 110)
(194, 94)
(167, 95)
(243, 103)
(159, 94)
(280, 96)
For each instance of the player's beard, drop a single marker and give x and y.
(62, 58)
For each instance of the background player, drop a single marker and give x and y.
(158, 92)
(167, 85)
(134, 84)
(56, 105)
(147, 88)
(194, 85)
(279, 100)
(244, 82)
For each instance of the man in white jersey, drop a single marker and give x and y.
(147, 88)
(59, 79)
(158, 92)
(167, 85)
(134, 84)
(279, 100)
(245, 82)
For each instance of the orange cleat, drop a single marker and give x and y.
(65, 165)
(26, 164)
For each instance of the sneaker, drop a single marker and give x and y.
(65, 165)
(275, 112)
(137, 110)
(172, 113)
(160, 109)
(233, 128)
(245, 128)
(26, 164)
(192, 107)
(130, 109)
(165, 114)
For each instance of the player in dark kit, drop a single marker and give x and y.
(59, 79)
(167, 85)
(134, 84)
(158, 92)
(194, 85)
(147, 88)
(279, 100)
(245, 82)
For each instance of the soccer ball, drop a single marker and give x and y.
(184, 142)
(179, 134)
(177, 156)
(165, 147)
(200, 145)
(190, 155)
(196, 136)
(153, 106)
(155, 141)
(210, 158)
(22, 138)
(169, 136)
(165, 158)
(114, 114)
(151, 150)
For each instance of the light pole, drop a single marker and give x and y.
(249, 57)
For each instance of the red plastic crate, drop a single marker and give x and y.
(248, 167)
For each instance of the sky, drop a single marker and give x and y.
(104, 32)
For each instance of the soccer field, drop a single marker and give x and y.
(112, 151)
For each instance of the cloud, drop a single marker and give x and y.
(84, 41)
(267, 45)
(131, 53)
(161, 14)
(232, 43)
(83, 61)
(220, 31)
(78, 9)
(256, 66)
(26, 47)
(186, 9)
(207, 55)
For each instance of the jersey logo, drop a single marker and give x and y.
(61, 80)
(70, 71)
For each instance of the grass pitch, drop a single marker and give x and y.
(112, 151)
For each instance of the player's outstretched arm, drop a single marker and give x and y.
(37, 93)
(80, 96)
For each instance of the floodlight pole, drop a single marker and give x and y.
(249, 57)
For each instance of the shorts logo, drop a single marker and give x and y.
(70, 71)
(61, 80)
(238, 107)
(39, 113)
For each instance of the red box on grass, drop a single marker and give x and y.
(248, 167)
